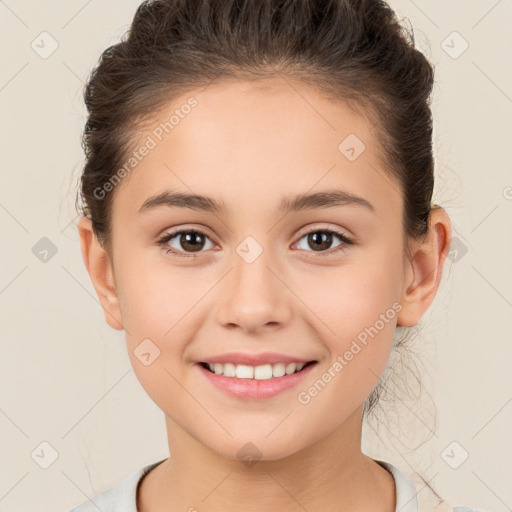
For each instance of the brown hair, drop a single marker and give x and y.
(354, 51)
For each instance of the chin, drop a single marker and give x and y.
(252, 450)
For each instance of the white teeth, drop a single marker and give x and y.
(229, 370)
(244, 372)
(278, 370)
(263, 372)
(290, 368)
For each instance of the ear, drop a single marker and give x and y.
(99, 266)
(424, 269)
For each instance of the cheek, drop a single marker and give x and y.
(154, 297)
(157, 308)
(159, 305)
(354, 296)
(358, 319)
(357, 307)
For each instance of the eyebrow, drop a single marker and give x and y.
(323, 199)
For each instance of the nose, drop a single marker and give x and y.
(253, 297)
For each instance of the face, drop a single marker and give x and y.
(309, 280)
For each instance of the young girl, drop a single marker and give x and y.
(258, 219)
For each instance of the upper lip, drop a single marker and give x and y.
(254, 359)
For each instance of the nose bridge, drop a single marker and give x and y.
(252, 296)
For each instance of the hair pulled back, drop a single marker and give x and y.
(354, 51)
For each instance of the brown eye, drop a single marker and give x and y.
(321, 240)
(191, 241)
(185, 241)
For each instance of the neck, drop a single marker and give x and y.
(332, 474)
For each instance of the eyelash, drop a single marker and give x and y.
(169, 236)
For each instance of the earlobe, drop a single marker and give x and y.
(99, 267)
(424, 271)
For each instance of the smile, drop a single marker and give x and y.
(255, 382)
(263, 372)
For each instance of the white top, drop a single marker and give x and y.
(410, 497)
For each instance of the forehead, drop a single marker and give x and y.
(253, 143)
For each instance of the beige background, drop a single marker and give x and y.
(65, 377)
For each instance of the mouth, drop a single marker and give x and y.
(255, 383)
(261, 372)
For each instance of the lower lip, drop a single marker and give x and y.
(254, 389)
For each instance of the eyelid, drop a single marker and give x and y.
(173, 233)
(347, 240)
(318, 226)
